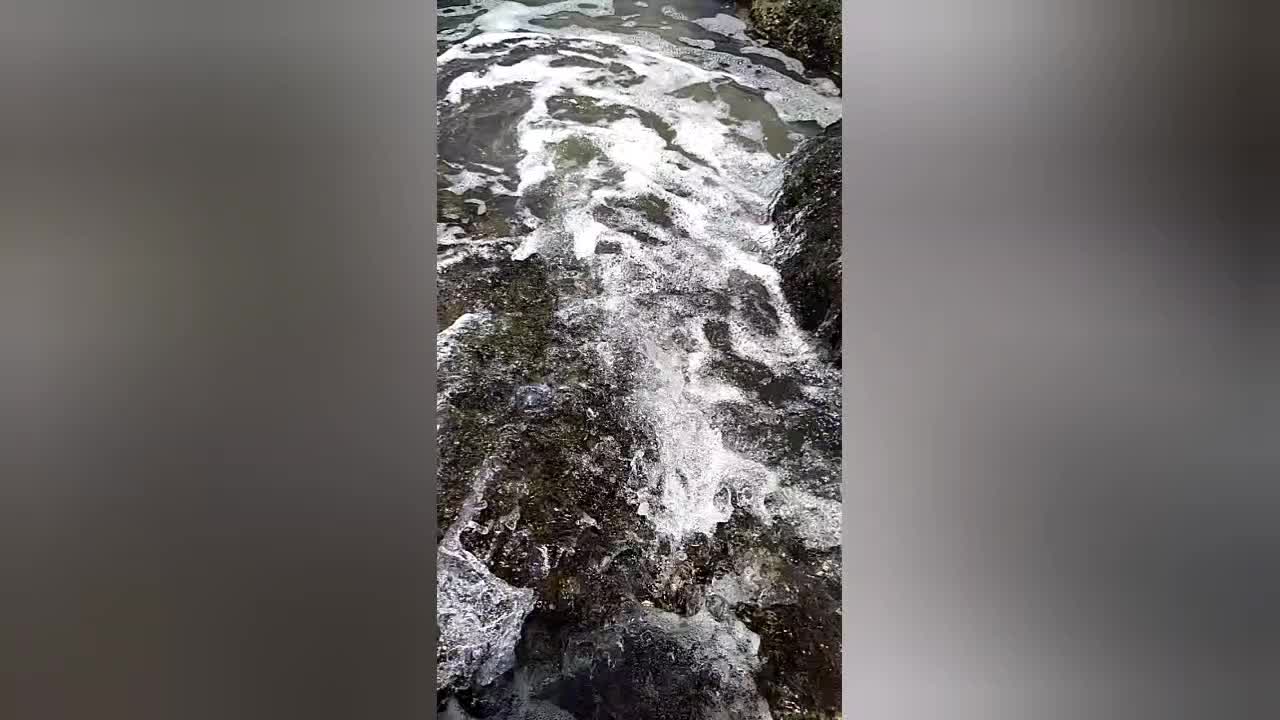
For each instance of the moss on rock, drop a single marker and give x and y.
(808, 30)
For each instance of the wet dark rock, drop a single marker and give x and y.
(619, 74)
(801, 439)
(642, 217)
(684, 591)
(540, 199)
(574, 152)
(808, 30)
(517, 54)
(717, 334)
(583, 109)
(806, 213)
(651, 207)
(751, 376)
(595, 48)
(756, 305)
(800, 647)
(506, 45)
(562, 445)
(579, 108)
(461, 210)
(654, 665)
(484, 133)
(797, 617)
(575, 62)
(699, 92)
(660, 126)
(492, 364)
(533, 399)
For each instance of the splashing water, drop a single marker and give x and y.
(624, 174)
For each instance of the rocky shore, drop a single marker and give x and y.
(639, 455)
(808, 30)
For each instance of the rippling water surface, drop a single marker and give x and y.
(639, 481)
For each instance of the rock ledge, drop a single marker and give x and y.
(806, 217)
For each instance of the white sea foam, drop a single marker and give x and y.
(825, 86)
(467, 180)
(793, 100)
(703, 43)
(727, 25)
(671, 12)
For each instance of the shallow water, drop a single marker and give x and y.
(639, 482)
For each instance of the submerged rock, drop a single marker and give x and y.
(806, 214)
(807, 30)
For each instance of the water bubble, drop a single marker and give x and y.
(533, 399)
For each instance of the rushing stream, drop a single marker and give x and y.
(639, 498)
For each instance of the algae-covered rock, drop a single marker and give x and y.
(806, 215)
(808, 30)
